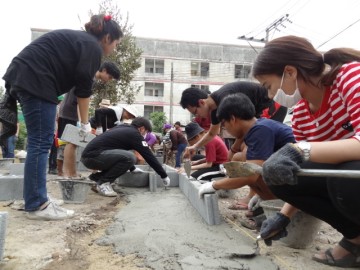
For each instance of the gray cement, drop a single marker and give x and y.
(169, 234)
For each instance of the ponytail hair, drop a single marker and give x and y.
(101, 25)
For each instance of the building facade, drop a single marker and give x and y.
(168, 67)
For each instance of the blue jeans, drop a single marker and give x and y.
(180, 149)
(9, 149)
(39, 116)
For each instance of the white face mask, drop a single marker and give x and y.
(287, 100)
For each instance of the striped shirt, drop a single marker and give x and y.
(339, 115)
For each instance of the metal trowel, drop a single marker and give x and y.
(187, 167)
(245, 169)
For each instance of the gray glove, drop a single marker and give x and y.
(254, 202)
(274, 228)
(281, 167)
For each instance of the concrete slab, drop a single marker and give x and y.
(72, 134)
(207, 207)
(17, 169)
(11, 187)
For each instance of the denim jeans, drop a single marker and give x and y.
(39, 116)
(112, 164)
(180, 149)
(8, 150)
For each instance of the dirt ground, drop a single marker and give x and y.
(71, 244)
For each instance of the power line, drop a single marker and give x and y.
(338, 33)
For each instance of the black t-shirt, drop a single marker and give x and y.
(257, 94)
(54, 63)
(125, 137)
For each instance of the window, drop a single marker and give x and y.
(155, 66)
(200, 69)
(201, 86)
(242, 71)
(154, 89)
(150, 109)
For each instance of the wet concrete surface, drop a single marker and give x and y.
(163, 228)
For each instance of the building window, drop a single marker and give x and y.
(150, 109)
(154, 66)
(201, 86)
(242, 71)
(200, 69)
(154, 89)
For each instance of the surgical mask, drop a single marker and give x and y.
(287, 100)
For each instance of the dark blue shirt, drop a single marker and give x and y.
(266, 137)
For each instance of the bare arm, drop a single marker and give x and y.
(202, 166)
(335, 152)
(84, 109)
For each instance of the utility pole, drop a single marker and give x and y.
(273, 26)
(171, 92)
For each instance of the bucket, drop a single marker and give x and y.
(302, 228)
(74, 191)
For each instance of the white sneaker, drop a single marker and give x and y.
(106, 190)
(59, 202)
(51, 212)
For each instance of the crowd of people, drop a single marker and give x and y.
(241, 121)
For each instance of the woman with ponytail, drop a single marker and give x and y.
(45, 69)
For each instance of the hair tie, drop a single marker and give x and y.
(107, 18)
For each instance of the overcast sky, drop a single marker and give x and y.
(196, 20)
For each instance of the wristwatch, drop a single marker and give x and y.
(305, 147)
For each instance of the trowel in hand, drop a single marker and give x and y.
(187, 167)
(245, 169)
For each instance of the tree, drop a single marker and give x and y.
(158, 119)
(127, 56)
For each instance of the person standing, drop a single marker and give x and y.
(69, 114)
(8, 149)
(45, 69)
(111, 153)
(325, 90)
(178, 144)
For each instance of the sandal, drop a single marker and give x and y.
(253, 223)
(238, 206)
(256, 212)
(349, 261)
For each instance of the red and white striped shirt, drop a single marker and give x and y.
(339, 115)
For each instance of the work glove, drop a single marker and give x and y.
(137, 170)
(206, 188)
(281, 167)
(274, 228)
(84, 130)
(166, 181)
(98, 131)
(254, 202)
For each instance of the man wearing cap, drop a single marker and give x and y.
(110, 116)
(207, 167)
(111, 153)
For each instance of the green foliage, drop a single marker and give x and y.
(158, 119)
(127, 56)
(20, 144)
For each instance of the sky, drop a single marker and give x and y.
(326, 23)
